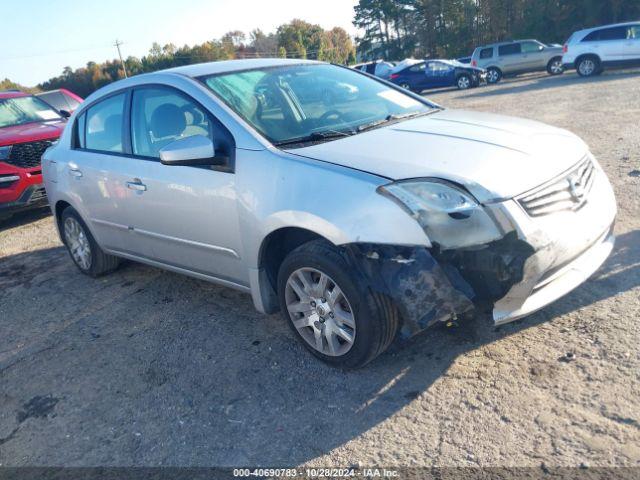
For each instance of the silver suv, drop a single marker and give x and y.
(518, 56)
(367, 218)
(591, 50)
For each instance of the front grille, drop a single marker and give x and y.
(28, 155)
(38, 195)
(568, 193)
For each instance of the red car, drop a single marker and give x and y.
(28, 126)
(62, 100)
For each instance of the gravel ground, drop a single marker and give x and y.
(146, 367)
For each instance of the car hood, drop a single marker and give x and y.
(30, 132)
(493, 156)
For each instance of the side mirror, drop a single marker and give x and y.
(64, 113)
(196, 150)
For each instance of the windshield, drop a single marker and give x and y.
(20, 110)
(312, 103)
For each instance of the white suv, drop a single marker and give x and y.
(589, 51)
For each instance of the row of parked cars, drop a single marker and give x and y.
(29, 124)
(589, 51)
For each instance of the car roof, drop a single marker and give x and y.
(12, 94)
(227, 66)
(612, 25)
(508, 42)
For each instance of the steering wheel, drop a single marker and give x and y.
(332, 113)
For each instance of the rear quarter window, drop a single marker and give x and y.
(104, 125)
(486, 53)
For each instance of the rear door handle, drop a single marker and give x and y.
(74, 172)
(137, 185)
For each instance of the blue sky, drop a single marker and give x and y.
(40, 38)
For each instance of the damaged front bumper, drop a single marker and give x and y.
(539, 260)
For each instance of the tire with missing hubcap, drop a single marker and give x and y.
(82, 247)
(339, 320)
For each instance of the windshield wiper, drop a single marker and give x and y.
(393, 118)
(317, 137)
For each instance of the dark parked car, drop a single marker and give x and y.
(437, 74)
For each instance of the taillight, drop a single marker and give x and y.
(474, 63)
(394, 76)
(565, 48)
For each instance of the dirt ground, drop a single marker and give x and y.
(146, 367)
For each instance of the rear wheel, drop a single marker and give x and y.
(84, 251)
(588, 66)
(494, 75)
(554, 67)
(338, 320)
(463, 82)
(406, 86)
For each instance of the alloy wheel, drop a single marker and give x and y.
(78, 243)
(493, 76)
(464, 83)
(556, 67)
(587, 67)
(320, 312)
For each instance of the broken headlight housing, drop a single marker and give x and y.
(449, 216)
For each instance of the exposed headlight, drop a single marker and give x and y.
(450, 217)
(5, 152)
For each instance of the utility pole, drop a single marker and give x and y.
(117, 45)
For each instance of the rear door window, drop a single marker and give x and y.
(634, 32)
(486, 53)
(104, 125)
(510, 49)
(421, 67)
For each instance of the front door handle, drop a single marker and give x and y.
(137, 185)
(74, 172)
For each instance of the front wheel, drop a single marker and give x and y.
(339, 320)
(555, 67)
(84, 251)
(463, 82)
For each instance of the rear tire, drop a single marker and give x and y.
(82, 247)
(588, 66)
(554, 67)
(371, 320)
(494, 75)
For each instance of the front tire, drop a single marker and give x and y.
(338, 320)
(494, 75)
(555, 67)
(84, 251)
(464, 82)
